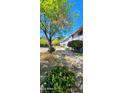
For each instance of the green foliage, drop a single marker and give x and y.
(56, 42)
(75, 44)
(56, 12)
(43, 42)
(59, 79)
(54, 9)
(55, 17)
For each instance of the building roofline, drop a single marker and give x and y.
(81, 27)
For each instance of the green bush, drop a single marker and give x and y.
(59, 80)
(75, 44)
(56, 42)
(43, 42)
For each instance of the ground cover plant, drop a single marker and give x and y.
(59, 80)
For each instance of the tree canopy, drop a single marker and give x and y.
(55, 17)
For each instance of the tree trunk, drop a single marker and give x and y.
(49, 40)
(51, 48)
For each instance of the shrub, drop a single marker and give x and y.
(75, 44)
(59, 80)
(56, 42)
(43, 42)
(51, 49)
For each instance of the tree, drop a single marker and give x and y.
(54, 18)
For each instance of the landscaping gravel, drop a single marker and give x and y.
(66, 58)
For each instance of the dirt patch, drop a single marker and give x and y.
(47, 57)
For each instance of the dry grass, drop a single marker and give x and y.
(48, 57)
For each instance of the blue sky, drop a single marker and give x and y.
(78, 6)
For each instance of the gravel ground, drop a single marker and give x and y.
(73, 60)
(45, 49)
